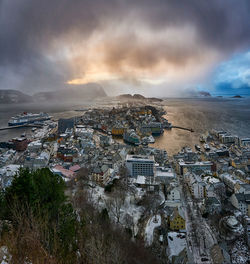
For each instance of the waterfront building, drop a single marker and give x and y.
(245, 141)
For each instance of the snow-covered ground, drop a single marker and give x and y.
(152, 223)
(7, 173)
(5, 257)
(176, 244)
(240, 253)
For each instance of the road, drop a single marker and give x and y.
(200, 237)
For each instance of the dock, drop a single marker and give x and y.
(21, 126)
(184, 128)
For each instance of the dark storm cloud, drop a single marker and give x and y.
(27, 27)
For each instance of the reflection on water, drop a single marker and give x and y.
(203, 115)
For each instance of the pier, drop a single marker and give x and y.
(184, 128)
(20, 126)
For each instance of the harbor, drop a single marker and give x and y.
(21, 126)
(183, 128)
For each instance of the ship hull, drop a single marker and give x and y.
(28, 122)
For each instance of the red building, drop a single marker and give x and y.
(20, 144)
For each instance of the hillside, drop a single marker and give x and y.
(77, 93)
(138, 97)
(13, 97)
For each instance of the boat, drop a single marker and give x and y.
(166, 124)
(206, 147)
(202, 139)
(149, 140)
(131, 137)
(28, 118)
(197, 147)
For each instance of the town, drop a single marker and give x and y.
(192, 207)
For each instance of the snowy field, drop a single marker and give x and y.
(175, 244)
(152, 223)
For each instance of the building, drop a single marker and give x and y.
(103, 177)
(63, 124)
(155, 128)
(185, 166)
(174, 194)
(83, 132)
(196, 185)
(244, 188)
(231, 182)
(20, 144)
(177, 220)
(34, 146)
(147, 183)
(140, 165)
(245, 141)
(34, 161)
(241, 201)
(117, 131)
(65, 173)
(225, 138)
(164, 174)
(213, 205)
(67, 153)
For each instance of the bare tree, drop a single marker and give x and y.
(151, 203)
(124, 176)
(129, 223)
(83, 177)
(115, 203)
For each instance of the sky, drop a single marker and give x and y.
(158, 48)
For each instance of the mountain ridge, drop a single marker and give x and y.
(87, 91)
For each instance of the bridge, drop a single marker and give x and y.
(184, 128)
(21, 126)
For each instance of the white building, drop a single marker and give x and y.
(84, 132)
(231, 182)
(174, 194)
(164, 175)
(242, 202)
(34, 146)
(140, 165)
(196, 185)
